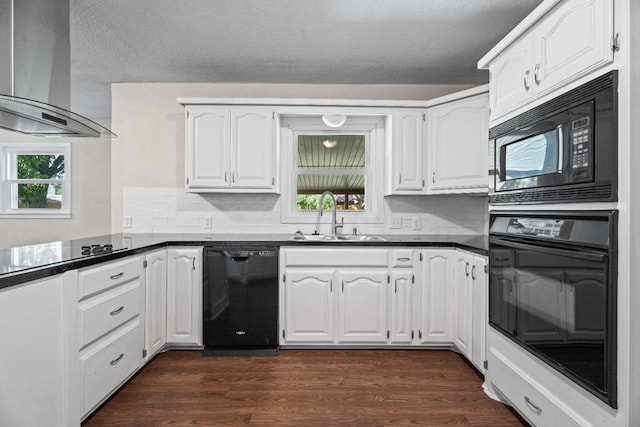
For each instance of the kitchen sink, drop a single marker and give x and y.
(298, 237)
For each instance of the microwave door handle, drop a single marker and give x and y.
(560, 149)
(586, 256)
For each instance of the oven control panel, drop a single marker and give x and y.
(539, 227)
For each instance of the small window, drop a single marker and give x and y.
(335, 163)
(347, 161)
(35, 180)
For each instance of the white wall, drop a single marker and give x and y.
(90, 195)
(148, 164)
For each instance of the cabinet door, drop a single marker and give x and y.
(458, 137)
(253, 149)
(436, 296)
(156, 302)
(208, 142)
(480, 312)
(184, 296)
(408, 151)
(511, 80)
(362, 306)
(573, 40)
(309, 308)
(462, 296)
(401, 291)
(33, 365)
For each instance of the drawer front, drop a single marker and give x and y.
(109, 363)
(530, 399)
(108, 310)
(401, 258)
(336, 257)
(97, 279)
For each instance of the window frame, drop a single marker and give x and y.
(8, 159)
(372, 127)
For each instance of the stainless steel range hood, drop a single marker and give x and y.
(35, 71)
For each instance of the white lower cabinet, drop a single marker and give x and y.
(479, 311)
(436, 297)
(34, 387)
(401, 302)
(384, 296)
(362, 306)
(155, 331)
(534, 402)
(184, 296)
(462, 298)
(333, 296)
(111, 325)
(109, 362)
(309, 302)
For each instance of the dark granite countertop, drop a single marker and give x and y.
(22, 264)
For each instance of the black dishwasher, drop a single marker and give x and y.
(240, 301)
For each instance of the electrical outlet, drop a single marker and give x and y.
(126, 221)
(207, 223)
(395, 221)
(416, 224)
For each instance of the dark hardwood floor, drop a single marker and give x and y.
(306, 388)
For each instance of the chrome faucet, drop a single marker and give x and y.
(334, 224)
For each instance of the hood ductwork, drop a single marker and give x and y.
(35, 86)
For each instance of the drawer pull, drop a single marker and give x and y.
(404, 259)
(119, 358)
(533, 406)
(116, 276)
(116, 311)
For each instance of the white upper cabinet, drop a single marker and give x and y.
(572, 40)
(230, 149)
(441, 149)
(408, 152)
(253, 149)
(510, 82)
(207, 147)
(458, 138)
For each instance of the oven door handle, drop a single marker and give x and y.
(587, 256)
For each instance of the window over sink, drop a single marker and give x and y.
(335, 163)
(318, 158)
(35, 180)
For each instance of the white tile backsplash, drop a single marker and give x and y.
(172, 210)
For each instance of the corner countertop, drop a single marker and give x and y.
(23, 264)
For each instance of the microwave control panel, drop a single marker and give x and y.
(581, 150)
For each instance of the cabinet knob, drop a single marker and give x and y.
(536, 76)
(526, 80)
(226, 176)
(473, 272)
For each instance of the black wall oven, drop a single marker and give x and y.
(564, 150)
(552, 290)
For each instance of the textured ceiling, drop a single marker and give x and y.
(281, 41)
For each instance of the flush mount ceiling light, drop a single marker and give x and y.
(334, 120)
(329, 143)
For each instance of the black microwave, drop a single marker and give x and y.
(565, 150)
